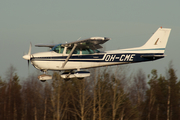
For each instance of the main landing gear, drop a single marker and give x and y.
(67, 75)
(44, 77)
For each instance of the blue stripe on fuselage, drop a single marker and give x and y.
(145, 49)
(126, 57)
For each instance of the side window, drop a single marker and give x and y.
(87, 51)
(96, 51)
(61, 49)
(76, 51)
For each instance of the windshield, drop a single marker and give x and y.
(58, 49)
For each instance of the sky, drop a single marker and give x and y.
(129, 23)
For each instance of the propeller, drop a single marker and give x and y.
(28, 56)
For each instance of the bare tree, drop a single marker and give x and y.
(3, 99)
(117, 92)
(32, 93)
(9, 75)
(59, 97)
(12, 101)
(47, 100)
(94, 94)
(138, 91)
(102, 92)
(80, 98)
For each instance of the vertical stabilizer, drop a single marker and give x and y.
(158, 40)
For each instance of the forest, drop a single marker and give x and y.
(110, 93)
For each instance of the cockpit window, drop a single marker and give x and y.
(58, 49)
(96, 51)
(76, 51)
(87, 51)
(84, 51)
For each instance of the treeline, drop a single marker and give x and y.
(109, 94)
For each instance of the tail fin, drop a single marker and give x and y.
(157, 42)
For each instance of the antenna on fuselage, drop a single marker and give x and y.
(79, 38)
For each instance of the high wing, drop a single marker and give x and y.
(92, 43)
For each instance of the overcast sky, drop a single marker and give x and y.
(129, 23)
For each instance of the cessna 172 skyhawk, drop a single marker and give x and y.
(83, 54)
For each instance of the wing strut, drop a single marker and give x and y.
(69, 55)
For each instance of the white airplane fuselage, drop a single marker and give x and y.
(54, 61)
(84, 54)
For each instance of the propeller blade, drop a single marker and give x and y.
(29, 53)
(28, 56)
(28, 63)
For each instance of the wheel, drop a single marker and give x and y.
(80, 78)
(43, 80)
(67, 79)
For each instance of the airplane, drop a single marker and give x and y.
(83, 54)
